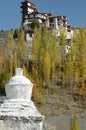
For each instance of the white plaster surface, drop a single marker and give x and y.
(19, 108)
(2, 126)
(22, 125)
(19, 86)
(17, 111)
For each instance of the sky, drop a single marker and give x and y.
(74, 10)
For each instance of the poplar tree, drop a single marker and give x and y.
(36, 54)
(15, 60)
(74, 125)
(63, 57)
(9, 49)
(82, 52)
(46, 68)
(11, 67)
(73, 70)
(49, 44)
(9, 45)
(68, 71)
(81, 58)
(55, 56)
(45, 58)
(21, 42)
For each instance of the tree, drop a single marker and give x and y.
(11, 67)
(35, 24)
(82, 52)
(3, 59)
(36, 53)
(7, 70)
(74, 125)
(55, 56)
(46, 68)
(46, 56)
(63, 57)
(68, 71)
(9, 45)
(15, 60)
(21, 43)
(3, 62)
(80, 41)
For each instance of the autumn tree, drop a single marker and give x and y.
(55, 56)
(24, 51)
(8, 64)
(74, 73)
(80, 64)
(9, 45)
(74, 125)
(82, 52)
(63, 57)
(15, 60)
(36, 55)
(11, 67)
(46, 56)
(3, 61)
(20, 44)
(46, 68)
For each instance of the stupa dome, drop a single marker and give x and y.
(19, 86)
(17, 111)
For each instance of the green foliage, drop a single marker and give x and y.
(9, 45)
(15, 60)
(20, 45)
(46, 68)
(46, 56)
(11, 67)
(74, 125)
(26, 73)
(41, 100)
(49, 59)
(4, 77)
(80, 40)
(35, 24)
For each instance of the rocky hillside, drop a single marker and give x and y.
(59, 106)
(59, 101)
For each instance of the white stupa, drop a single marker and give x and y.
(17, 111)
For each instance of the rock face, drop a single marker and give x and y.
(17, 111)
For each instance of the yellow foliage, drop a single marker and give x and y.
(74, 125)
(2, 60)
(36, 91)
(37, 96)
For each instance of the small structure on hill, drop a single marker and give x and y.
(17, 111)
